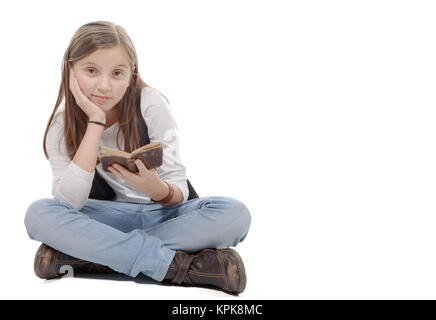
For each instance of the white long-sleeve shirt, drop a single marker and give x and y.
(72, 184)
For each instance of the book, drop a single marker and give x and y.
(149, 154)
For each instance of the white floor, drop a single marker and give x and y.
(282, 261)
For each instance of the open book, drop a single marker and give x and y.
(150, 155)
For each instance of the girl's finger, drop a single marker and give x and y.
(126, 174)
(141, 166)
(73, 83)
(78, 92)
(111, 169)
(76, 84)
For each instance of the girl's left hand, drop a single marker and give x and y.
(146, 181)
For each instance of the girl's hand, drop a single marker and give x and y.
(93, 111)
(146, 181)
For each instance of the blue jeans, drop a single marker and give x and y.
(137, 237)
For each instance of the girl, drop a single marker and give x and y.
(151, 221)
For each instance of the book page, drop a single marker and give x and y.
(106, 151)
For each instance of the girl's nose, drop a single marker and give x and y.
(103, 85)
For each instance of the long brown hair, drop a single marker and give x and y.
(87, 39)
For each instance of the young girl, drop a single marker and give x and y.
(151, 221)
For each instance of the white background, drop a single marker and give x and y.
(318, 115)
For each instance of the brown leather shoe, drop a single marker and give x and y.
(216, 268)
(50, 263)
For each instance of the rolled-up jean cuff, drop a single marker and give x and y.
(163, 266)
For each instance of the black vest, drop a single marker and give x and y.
(100, 188)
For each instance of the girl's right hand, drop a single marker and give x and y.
(93, 111)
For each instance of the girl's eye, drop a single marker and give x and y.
(92, 71)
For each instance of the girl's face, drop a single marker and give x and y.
(104, 73)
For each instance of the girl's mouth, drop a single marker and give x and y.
(102, 99)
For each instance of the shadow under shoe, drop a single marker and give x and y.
(50, 263)
(221, 269)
